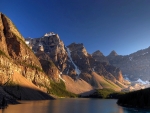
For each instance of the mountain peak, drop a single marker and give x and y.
(98, 53)
(50, 34)
(113, 53)
(78, 47)
(98, 56)
(75, 46)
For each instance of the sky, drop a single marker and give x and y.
(105, 25)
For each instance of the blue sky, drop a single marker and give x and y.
(105, 25)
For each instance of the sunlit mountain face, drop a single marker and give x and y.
(131, 65)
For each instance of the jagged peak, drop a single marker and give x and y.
(76, 44)
(78, 47)
(113, 53)
(9, 26)
(50, 34)
(98, 53)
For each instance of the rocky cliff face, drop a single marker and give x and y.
(87, 63)
(16, 56)
(79, 57)
(133, 66)
(47, 64)
(53, 46)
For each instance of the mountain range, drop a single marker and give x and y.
(40, 68)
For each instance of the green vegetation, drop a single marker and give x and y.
(33, 67)
(111, 84)
(108, 84)
(23, 42)
(10, 83)
(51, 64)
(29, 65)
(136, 99)
(59, 89)
(23, 63)
(119, 85)
(106, 94)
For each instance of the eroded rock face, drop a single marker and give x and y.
(16, 56)
(17, 49)
(56, 51)
(88, 64)
(54, 47)
(3, 46)
(116, 72)
(48, 66)
(80, 56)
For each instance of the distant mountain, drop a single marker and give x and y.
(113, 54)
(135, 65)
(97, 55)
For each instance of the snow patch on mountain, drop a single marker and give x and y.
(76, 68)
(27, 42)
(50, 34)
(61, 77)
(93, 68)
(142, 82)
(126, 78)
(144, 53)
(130, 58)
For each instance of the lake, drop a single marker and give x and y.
(70, 106)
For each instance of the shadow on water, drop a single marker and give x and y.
(26, 93)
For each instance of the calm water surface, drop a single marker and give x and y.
(70, 106)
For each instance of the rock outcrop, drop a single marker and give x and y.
(53, 46)
(47, 64)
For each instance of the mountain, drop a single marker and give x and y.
(134, 66)
(32, 67)
(97, 55)
(113, 54)
(19, 67)
(74, 63)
